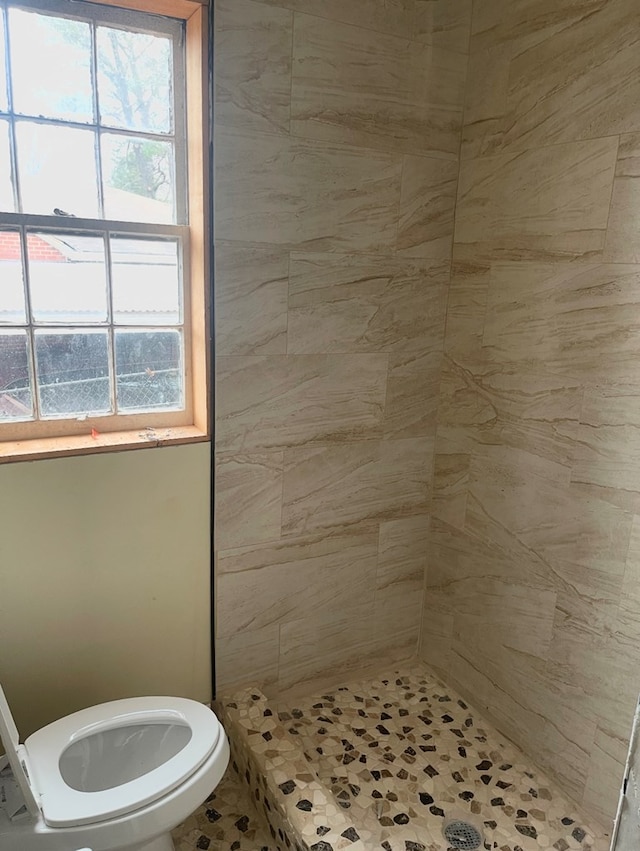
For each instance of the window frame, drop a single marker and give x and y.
(55, 437)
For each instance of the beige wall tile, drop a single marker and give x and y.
(310, 195)
(347, 643)
(352, 355)
(364, 303)
(622, 233)
(412, 394)
(486, 93)
(274, 402)
(402, 557)
(427, 204)
(466, 305)
(530, 85)
(436, 636)
(392, 16)
(528, 498)
(450, 484)
(250, 656)
(252, 54)
(248, 498)
(608, 448)
(358, 87)
(606, 770)
(355, 486)
(535, 487)
(251, 299)
(579, 319)
(557, 96)
(490, 613)
(444, 23)
(569, 193)
(295, 578)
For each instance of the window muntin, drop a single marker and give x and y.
(95, 328)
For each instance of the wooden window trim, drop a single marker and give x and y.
(147, 430)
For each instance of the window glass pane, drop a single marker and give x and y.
(57, 169)
(50, 66)
(145, 282)
(67, 278)
(15, 385)
(73, 372)
(4, 97)
(134, 80)
(138, 179)
(12, 307)
(6, 191)
(149, 370)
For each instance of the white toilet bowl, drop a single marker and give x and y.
(114, 777)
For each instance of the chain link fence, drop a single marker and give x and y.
(137, 391)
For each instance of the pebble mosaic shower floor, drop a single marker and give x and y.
(227, 821)
(385, 763)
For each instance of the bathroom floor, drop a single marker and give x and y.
(398, 756)
(227, 821)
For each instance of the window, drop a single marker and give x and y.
(102, 223)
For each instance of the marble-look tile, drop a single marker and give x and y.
(294, 578)
(490, 613)
(444, 23)
(348, 643)
(436, 633)
(355, 486)
(486, 92)
(340, 636)
(427, 205)
(578, 319)
(556, 96)
(402, 555)
(627, 621)
(364, 303)
(358, 87)
(605, 774)
(535, 87)
(622, 233)
(250, 656)
(275, 402)
(514, 490)
(251, 299)
(252, 66)
(533, 205)
(392, 16)
(512, 405)
(411, 401)
(300, 193)
(450, 484)
(515, 690)
(248, 498)
(608, 448)
(590, 668)
(466, 305)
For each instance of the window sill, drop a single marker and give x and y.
(115, 441)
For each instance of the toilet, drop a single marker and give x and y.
(114, 777)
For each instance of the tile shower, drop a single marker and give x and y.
(427, 317)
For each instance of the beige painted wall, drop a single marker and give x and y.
(533, 584)
(104, 577)
(337, 135)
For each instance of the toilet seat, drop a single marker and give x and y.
(64, 806)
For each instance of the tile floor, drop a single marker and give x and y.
(227, 821)
(384, 763)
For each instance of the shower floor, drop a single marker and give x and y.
(386, 762)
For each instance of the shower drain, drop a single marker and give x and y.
(462, 836)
